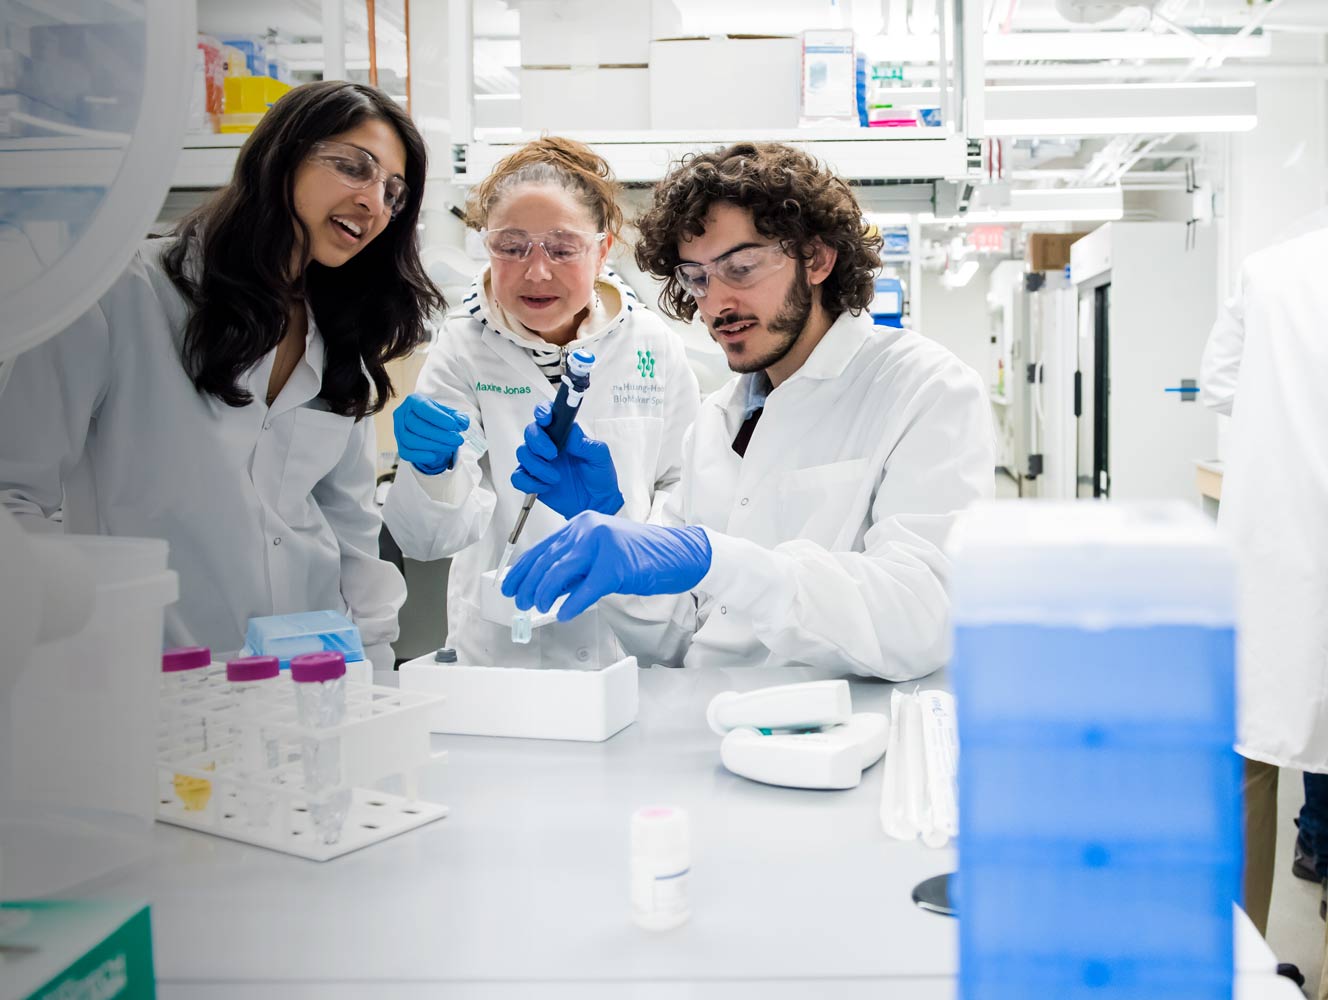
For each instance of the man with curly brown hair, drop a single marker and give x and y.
(818, 485)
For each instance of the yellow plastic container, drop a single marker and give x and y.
(242, 122)
(247, 99)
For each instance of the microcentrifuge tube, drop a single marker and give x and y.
(475, 439)
(183, 687)
(521, 627)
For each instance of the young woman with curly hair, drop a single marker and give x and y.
(548, 215)
(818, 486)
(218, 396)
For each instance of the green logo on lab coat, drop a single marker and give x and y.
(645, 364)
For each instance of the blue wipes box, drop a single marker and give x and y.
(284, 636)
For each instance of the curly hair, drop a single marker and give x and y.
(559, 162)
(792, 197)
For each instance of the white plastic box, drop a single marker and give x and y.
(536, 703)
(740, 82)
(586, 98)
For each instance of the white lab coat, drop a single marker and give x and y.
(1266, 364)
(266, 510)
(827, 538)
(642, 398)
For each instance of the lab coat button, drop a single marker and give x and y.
(583, 655)
(744, 501)
(267, 425)
(277, 540)
(723, 610)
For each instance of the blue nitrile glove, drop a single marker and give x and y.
(428, 433)
(580, 477)
(594, 555)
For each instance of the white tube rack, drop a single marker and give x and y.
(385, 734)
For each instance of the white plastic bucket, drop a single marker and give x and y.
(84, 726)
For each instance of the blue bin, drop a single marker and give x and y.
(1099, 794)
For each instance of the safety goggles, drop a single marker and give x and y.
(740, 268)
(561, 246)
(358, 169)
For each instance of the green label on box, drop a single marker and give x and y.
(80, 949)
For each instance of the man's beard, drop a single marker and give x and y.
(788, 325)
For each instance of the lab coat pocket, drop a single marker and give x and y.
(318, 442)
(824, 504)
(634, 443)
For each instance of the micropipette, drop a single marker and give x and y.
(575, 382)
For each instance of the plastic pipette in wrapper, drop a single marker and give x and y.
(918, 797)
(571, 390)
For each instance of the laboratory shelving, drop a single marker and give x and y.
(207, 160)
(644, 156)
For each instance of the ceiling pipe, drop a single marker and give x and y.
(373, 43)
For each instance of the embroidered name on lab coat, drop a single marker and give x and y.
(506, 390)
(639, 393)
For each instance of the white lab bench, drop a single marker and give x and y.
(522, 891)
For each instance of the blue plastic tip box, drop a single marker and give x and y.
(1099, 794)
(284, 636)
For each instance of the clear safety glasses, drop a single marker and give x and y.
(358, 169)
(740, 268)
(561, 246)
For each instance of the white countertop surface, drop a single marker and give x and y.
(523, 889)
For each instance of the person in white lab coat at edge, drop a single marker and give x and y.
(218, 395)
(819, 485)
(548, 216)
(1266, 365)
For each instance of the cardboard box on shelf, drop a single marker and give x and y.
(590, 33)
(585, 97)
(725, 81)
(1050, 251)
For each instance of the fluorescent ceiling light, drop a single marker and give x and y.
(1084, 109)
(961, 275)
(1109, 109)
(1066, 46)
(1104, 204)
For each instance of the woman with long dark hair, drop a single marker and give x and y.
(219, 395)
